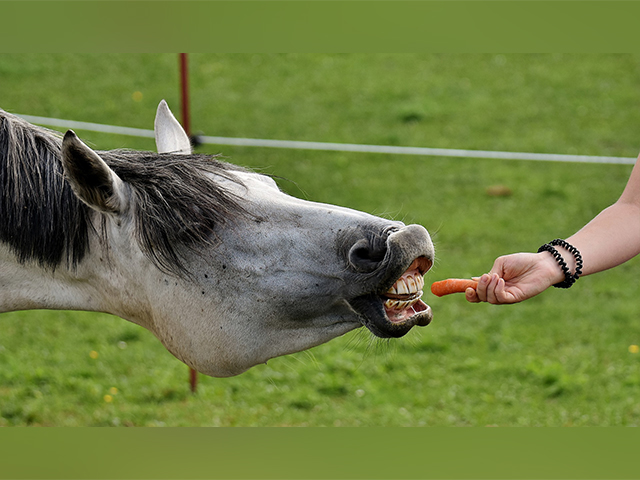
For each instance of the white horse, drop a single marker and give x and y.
(224, 268)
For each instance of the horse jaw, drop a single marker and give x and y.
(226, 339)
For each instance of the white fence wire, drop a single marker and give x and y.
(340, 147)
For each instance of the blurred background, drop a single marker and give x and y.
(563, 358)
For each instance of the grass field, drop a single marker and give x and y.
(562, 358)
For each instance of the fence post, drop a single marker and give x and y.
(186, 124)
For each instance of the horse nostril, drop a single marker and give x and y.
(365, 257)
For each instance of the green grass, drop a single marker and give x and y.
(559, 359)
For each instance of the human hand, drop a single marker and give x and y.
(515, 278)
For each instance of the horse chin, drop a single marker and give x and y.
(384, 324)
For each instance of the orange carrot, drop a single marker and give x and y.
(452, 285)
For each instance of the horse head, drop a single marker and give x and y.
(221, 265)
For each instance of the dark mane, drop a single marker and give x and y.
(175, 205)
(41, 219)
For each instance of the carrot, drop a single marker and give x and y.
(452, 285)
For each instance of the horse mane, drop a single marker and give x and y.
(176, 206)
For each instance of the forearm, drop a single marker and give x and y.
(610, 239)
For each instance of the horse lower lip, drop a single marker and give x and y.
(408, 311)
(391, 323)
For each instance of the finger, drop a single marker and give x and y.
(508, 296)
(471, 295)
(500, 293)
(491, 289)
(481, 289)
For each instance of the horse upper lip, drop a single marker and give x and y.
(407, 249)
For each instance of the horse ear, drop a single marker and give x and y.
(170, 136)
(90, 177)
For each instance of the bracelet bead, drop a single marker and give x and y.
(574, 251)
(569, 278)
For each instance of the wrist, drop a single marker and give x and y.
(568, 257)
(553, 272)
(570, 275)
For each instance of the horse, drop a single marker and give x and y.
(224, 268)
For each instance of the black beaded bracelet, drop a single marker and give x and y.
(574, 251)
(569, 279)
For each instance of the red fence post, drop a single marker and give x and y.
(186, 124)
(184, 87)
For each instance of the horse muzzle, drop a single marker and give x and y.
(392, 305)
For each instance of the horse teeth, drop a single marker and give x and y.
(391, 304)
(399, 305)
(411, 303)
(411, 284)
(407, 285)
(403, 289)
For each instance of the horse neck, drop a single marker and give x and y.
(29, 286)
(90, 286)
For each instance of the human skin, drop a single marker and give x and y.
(610, 239)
